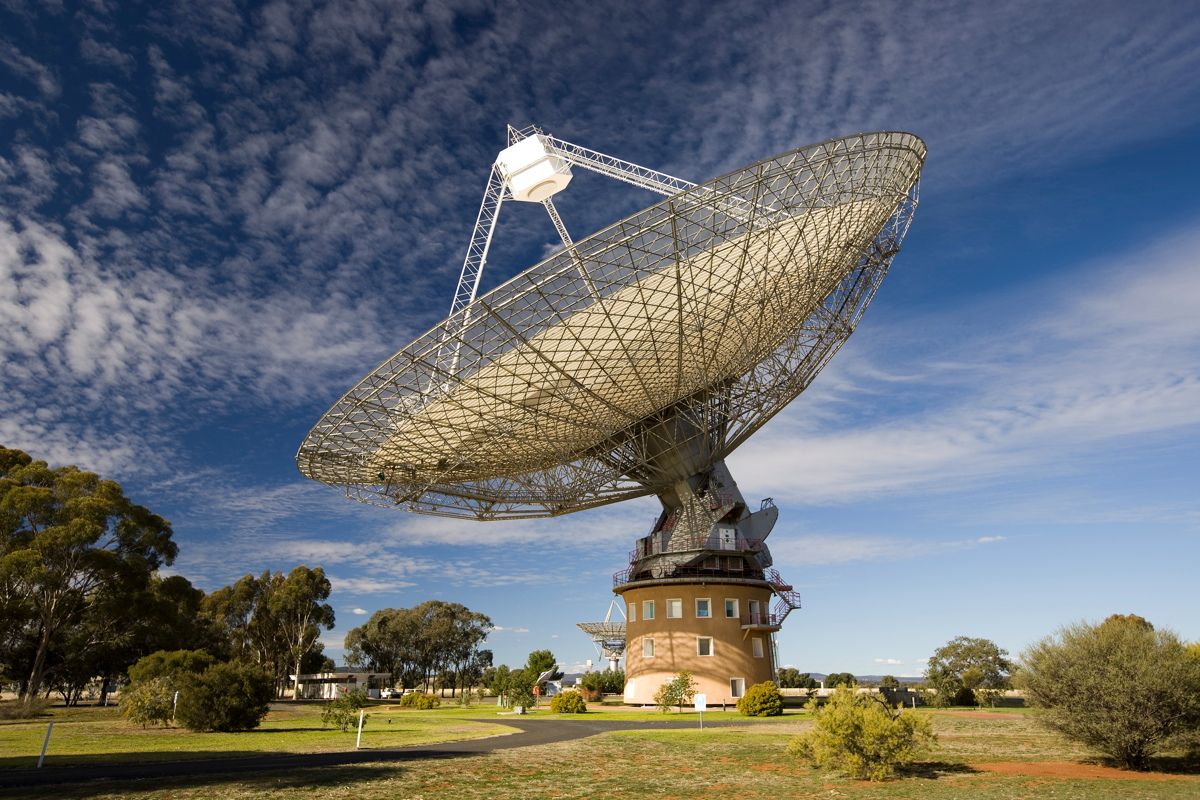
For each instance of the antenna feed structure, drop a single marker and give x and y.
(532, 171)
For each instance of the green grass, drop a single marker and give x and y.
(101, 735)
(749, 762)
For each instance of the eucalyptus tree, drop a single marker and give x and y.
(68, 538)
(299, 613)
(415, 644)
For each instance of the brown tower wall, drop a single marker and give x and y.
(676, 639)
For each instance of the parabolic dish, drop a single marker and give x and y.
(652, 348)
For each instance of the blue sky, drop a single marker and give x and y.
(215, 217)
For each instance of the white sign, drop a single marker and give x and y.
(701, 702)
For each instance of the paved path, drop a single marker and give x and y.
(532, 732)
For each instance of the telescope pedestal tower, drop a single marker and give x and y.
(700, 593)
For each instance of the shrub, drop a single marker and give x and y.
(862, 737)
(1121, 687)
(172, 665)
(226, 697)
(761, 700)
(149, 702)
(343, 712)
(675, 692)
(568, 702)
(420, 700)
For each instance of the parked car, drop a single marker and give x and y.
(388, 694)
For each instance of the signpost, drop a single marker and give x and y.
(701, 704)
(45, 744)
(358, 741)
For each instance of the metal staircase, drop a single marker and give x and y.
(788, 599)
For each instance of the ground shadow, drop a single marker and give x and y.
(265, 771)
(1188, 764)
(932, 770)
(303, 777)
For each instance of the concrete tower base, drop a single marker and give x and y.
(722, 635)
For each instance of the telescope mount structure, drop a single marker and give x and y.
(631, 363)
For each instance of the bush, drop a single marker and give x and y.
(172, 665)
(862, 737)
(343, 712)
(226, 697)
(761, 700)
(568, 702)
(1121, 687)
(675, 692)
(420, 700)
(149, 702)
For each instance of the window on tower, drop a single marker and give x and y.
(647, 610)
(704, 646)
(647, 647)
(703, 608)
(674, 608)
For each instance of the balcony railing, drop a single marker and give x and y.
(635, 573)
(765, 618)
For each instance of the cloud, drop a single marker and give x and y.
(1032, 395)
(367, 585)
(359, 611)
(888, 661)
(503, 629)
(32, 70)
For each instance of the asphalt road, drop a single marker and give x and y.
(532, 732)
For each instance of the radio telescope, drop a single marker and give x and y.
(608, 636)
(630, 363)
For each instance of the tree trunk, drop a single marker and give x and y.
(103, 701)
(296, 683)
(39, 663)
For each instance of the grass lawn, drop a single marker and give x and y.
(87, 734)
(980, 755)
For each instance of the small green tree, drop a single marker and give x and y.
(227, 697)
(835, 679)
(862, 737)
(965, 671)
(343, 711)
(568, 702)
(1121, 687)
(148, 702)
(676, 692)
(500, 678)
(761, 700)
(520, 688)
(792, 678)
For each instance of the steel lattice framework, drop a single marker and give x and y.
(633, 358)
